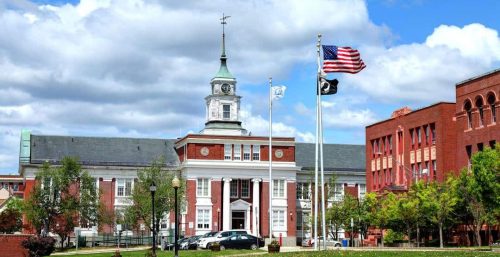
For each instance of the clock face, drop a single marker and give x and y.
(226, 88)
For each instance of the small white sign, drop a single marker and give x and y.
(119, 227)
(191, 225)
(143, 227)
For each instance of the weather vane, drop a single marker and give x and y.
(223, 21)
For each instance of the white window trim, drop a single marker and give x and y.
(234, 181)
(241, 188)
(209, 209)
(285, 225)
(334, 198)
(223, 111)
(255, 152)
(284, 189)
(249, 148)
(124, 188)
(209, 185)
(237, 155)
(359, 191)
(230, 152)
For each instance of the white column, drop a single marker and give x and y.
(226, 204)
(247, 219)
(255, 205)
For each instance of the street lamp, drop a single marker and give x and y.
(218, 219)
(152, 188)
(176, 184)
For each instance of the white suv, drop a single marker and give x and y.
(206, 242)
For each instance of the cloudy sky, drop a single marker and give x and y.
(141, 68)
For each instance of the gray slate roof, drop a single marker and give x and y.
(336, 157)
(103, 150)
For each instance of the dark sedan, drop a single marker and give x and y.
(241, 242)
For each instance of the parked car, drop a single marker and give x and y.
(241, 242)
(190, 244)
(206, 242)
(329, 242)
(170, 245)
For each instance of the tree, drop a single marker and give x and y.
(140, 210)
(10, 220)
(61, 194)
(442, 203)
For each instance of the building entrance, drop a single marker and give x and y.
(238, 220)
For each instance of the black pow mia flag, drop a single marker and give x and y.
(328, 87)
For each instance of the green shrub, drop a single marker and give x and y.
(39, 246)
(393, 237)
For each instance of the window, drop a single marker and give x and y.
(433, 133)
(16, 187)
(491, 103)
(202, 187)
(419, 169)
(338, 191)
(479, 105)
(390, 144)
(480, 146)
(256, 152)
(468, 150)
(279, 219)
(413, 170)
(362, 191)
(427, 134)
(434, 169)
(6, 186)
(279, 188)
(203, 219)
(374, 180)
(124, 187)
(373, 148)
(226, 111)
(227, 152)
(303, 191)
(237, 152)
(245, 188)
(468, 110)
(419, 136)
(412, 138)
(302, 221)
(234, 188)
(246, 152)
(492, 144)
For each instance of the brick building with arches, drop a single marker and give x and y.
(430, 142)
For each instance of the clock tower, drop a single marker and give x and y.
(223, 105)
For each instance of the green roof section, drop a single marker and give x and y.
(25, 151)
(223, 70)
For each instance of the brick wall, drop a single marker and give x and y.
(191, 207)
(10, 245)
(291, 201)
(216, 204)
(108, 199)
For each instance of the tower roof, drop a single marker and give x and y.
(223, 70)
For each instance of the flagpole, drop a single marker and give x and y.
(320, 115)
(316, 245)
(270, 160)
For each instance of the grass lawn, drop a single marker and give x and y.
(369, 253)
(334, 253)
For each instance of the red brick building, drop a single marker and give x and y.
(432, 141)
(477, 111)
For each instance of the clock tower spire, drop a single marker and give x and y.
(223, 105)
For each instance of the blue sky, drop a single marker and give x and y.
(142, 68)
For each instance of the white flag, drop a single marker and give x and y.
(278, 92)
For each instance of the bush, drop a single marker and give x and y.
(393, 237)
(39, 246)
(274, 243)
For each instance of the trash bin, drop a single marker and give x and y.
(345, 242)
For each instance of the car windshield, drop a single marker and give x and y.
(209, 234)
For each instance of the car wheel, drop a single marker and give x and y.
(209, 246)
(222, 248)
(337, 245)
(253, 247)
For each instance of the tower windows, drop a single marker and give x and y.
(226, 111)
(479, 105)
(468, 110)
(491, 103)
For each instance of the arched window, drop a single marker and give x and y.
(479, 106)
(491, 102)
(468, 109)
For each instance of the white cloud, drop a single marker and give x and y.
(427, 72)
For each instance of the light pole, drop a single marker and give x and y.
(152, 188)
(218, 219)
(176, 184)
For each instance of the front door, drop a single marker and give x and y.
(238, 220)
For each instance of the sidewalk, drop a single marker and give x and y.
(100, 250)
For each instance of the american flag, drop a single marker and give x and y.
(341, 59)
